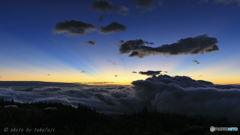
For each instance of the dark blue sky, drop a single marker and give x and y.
(29, 49)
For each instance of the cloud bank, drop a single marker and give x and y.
(105, 6)
(181, 94)
(73, 27)
(192, 45)
(114, 27)
(178, 94)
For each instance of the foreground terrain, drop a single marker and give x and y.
(34, 118)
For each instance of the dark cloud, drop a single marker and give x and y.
(150, 43)
(82, 71)
(73, 27)
(116, 76)
(91, 43)
(105, 6)
(165, 71)
(134, 72)
(150, 72)
(183, 95)
(196, 61)
(192, 45)
(114, 27)
(121, 41)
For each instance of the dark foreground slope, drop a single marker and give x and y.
(67, 120)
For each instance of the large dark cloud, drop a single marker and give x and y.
(183, 95)
(91, 43)
(192, 45)
(114, 27)
(150, 72)
(73, 27)
(105, 6)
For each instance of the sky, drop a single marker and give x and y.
(118, 42)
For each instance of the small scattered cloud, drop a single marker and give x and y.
(134, 72)
(150, 72)
(107, 7)
(82, 43)
(113, 62)
(196, 61)
(192, 45)
(165, 71)
(73, 27)
(114, 27)
(48, 74)
(82, 71)
(116, 76)
(91, 43)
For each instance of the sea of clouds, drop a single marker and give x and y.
(178, 94)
